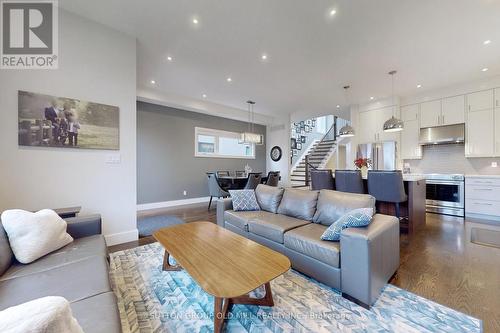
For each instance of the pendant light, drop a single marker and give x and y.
(393, 124)
(346, 131)
(251, 137)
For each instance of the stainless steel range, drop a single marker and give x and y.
(445, 194)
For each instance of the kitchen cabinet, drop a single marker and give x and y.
(371, 123)
(497, 131)
(480, 134)
(430, 114)
(410, 148)
(482, 196)
(481, 100)
(453, 110)
(497, 97)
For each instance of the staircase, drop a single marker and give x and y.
(319, 154)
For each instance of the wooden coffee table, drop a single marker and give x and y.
(226, 265)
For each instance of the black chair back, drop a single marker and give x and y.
(349, 181)
(387, 186)
(254, 179)
(273, 178)
(322, 180)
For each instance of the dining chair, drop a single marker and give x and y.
(349, 181)
(254, 179)
(322, 180)
(239, 174)
(387, 186)
(214, 188)
(273, 178)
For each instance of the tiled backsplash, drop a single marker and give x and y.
(451, 159)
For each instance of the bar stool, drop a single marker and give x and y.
(322, 179)
(387, 186)
(349, 181)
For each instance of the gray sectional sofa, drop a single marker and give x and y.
(291, 221)
(78, 272)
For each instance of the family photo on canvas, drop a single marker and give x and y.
(67, 123)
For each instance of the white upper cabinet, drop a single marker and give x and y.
(481, 100)
(371, 125)
(410, 148)
(497, 97)
(480, 134)
(430, 114)
(497, 131)
(453, 110)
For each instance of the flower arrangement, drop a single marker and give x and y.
(362, 162)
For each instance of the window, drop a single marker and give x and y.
(221, 144)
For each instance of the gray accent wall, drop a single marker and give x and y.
(166, 165)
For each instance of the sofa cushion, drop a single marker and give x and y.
(75, 281)
(33, 235)
(240, 219)
(98, 314)
(332, 205)
(6, 255)
(79, 249)
(356, 218)
(244, 200)
(306, 240)
(269, 197)
(47, 314)
(273, 226)
(299, 203)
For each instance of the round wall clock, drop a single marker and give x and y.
(276, 153)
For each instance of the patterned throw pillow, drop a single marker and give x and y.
(244, 200)
(360, 217)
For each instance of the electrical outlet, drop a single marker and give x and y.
(185, 193)
(494, 164)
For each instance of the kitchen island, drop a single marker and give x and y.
(414, 208)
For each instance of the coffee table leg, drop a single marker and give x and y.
(166, 264)
(222, 305)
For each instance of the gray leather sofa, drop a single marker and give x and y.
(77, 272)
(291, 221)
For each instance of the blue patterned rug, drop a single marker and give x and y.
(151, 300)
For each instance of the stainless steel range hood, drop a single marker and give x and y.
(442, 135)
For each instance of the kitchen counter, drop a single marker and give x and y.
(483, 176)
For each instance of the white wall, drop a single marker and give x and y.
(278, 134)
(95, 64)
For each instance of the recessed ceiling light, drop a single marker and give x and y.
(169, 58)
(486, 42)
(204, 95)
(372, 98)
(485, 69)
(338, 106)
(419, 86)
(195, 21)
(264, 56)
(229, 79)
(153, 82)
(333, 12)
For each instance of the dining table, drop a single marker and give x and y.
(237, 182)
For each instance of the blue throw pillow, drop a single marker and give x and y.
(360, 217)
(244, 200)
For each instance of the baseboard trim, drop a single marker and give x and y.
(122, 237)
(172, 203)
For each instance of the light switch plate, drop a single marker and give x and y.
(113, 159)
(494, 164)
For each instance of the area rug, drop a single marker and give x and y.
(151, 300)
(149, 224)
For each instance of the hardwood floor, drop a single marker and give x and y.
(438, 262)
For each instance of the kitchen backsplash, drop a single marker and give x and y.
(451, 159)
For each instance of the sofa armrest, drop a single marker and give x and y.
(222, 206)
(369, 257)
(84, 226)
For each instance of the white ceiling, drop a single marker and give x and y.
(311, 56)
